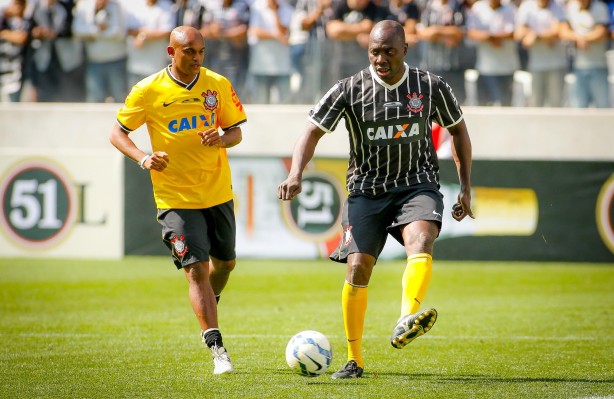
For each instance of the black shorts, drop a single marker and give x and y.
(194, 234)
(367, 221)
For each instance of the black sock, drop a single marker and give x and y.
(212, 337)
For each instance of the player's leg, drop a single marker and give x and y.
(423, 213)
(184, 234)
(354, 300)
(222, 234)
(204, 304)
(419, 237)
(219, 273)
(201, 295)
(363, 239)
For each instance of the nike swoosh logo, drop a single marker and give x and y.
(167, 104)
(435, 213)
(318, 364)
(394, 104)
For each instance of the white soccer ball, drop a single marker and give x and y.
(309, 353)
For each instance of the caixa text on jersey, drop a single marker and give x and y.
(191, 122)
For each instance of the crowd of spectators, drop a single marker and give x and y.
(492, 52)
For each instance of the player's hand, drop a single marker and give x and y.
(462, 207)
(158, 161)
(289, 188)
(211, 138)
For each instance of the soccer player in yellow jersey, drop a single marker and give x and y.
(184, 107)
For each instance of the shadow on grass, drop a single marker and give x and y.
(481, 379)
(326, 379)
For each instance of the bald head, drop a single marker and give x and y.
(182, 35)
(388, 31)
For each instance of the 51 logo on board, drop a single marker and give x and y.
(315, 214)
(38, 204)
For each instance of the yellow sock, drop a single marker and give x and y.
(354, 304)
(416, 279)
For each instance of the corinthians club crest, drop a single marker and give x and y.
(179, 246)
(415, 103)
(210, 99)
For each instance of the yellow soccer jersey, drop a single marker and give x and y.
(197, 176)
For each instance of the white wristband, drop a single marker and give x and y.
(142, 162)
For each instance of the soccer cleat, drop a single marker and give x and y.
(350, 370)
(412, 326)
(221, 361)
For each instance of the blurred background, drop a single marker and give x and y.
(534, 78)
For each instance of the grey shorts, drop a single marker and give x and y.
(367, 221)
(194, 234)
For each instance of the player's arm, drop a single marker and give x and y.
(462, 153)
(302, 154)
(343, 31)
(120, 140)
(232, 137)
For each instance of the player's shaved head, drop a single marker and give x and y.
(388, 30)
(182, 35)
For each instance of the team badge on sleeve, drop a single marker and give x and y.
(210, 99)
(415, 103)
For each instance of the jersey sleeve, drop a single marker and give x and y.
(447, 111)
(132, 115)
(233, 112)
(330, 109)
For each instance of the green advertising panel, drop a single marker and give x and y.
(572, 211)
(525, 210)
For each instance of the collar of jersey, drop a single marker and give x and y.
(386, 85)
(179, 82)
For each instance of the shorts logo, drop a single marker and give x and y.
(179, 246)
(415, 103)
(210, 99)
(347, 236)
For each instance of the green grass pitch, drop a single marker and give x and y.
(125, 329)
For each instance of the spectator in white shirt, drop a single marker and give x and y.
(491, 24)
(587, 29)
(538, 30)
(149, 27)
(101, 26)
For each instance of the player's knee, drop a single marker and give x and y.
(230, 265)
(359, 273)
(225, 265)
(421, 241)
(197, 271)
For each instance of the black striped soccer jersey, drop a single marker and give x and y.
(389, 127)
(197, 176)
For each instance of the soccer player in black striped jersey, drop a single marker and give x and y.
(392, 178)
